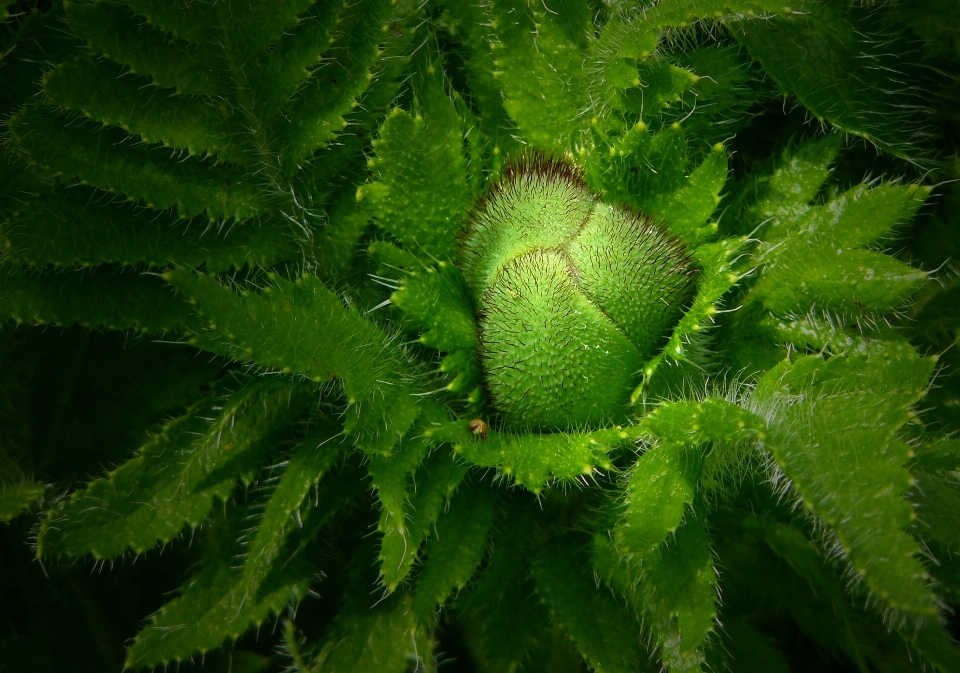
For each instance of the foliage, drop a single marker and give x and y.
(269, 361)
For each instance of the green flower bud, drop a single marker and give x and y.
(574, 296)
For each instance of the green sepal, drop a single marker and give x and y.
(17, 497)
(302, 327)
(176, 478)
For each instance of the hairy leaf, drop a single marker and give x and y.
(303, 327)
(176, 477)
(834, 438)
(456, 549)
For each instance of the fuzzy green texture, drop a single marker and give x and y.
(573, 296)
(352, 337)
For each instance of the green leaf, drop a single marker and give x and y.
(687, 209)
(531, 459)
(421, 193)
(716, 279)
(456, 549)
(680, 597)
(316, 114)
(213, 605)
(103, 297)
(436, 480)
(848, 68)
(103, 157)
(833, 435)
(16, 498)
(311, 461)
(303, 327)
(176, 477)
(437, 300)
(858, 281)
(112, 29)
(100, 90)
(71, 227)
(604, 631)
(539, 67)
(662, 484)
(664, 480)
(782, 197)
(367, 639)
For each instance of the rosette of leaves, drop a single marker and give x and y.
(352, 470)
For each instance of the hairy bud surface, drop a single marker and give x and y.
(574, 295)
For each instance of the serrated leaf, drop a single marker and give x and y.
(421, 193)
(103, 157)
(70, 227)
(176, 478)
(664, 480)
(370, 640)
(836, 441)
(717, 277)
(103, 297)
(856, 281)
(531, 459)
(214, 605)
(777, 199)
(303, 327)
(687, 209)
(100, 90)
(455, 550)
(437, 300)
(16, 498)
(839, 62)
(662, 483)
(680, 597)
(316, 114)
(436, 481)
(112, 29)
(311, 461)
(605, 633)
(539, 67)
